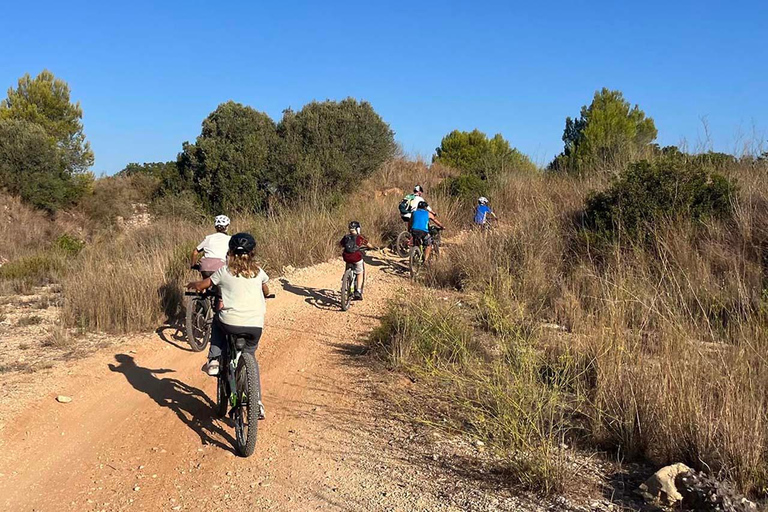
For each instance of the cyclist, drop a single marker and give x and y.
(213, 248)
(482, 211)
(353, 256)
(411, 202)
(419, 227)
(243, 287)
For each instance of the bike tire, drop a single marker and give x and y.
(222, 396)
(198, 330)
(414, 261)
(347, 281)
(402, 247)
(246, 415)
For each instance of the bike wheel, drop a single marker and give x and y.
(415, 261)
(198, 329)
(246, 412)
(347, 282)
(222, 396)
(403, 244)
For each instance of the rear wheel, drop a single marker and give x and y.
(415, 261)
(403, 244)
(198, 328)
(347, 283)
(222, 397)
(246, 412)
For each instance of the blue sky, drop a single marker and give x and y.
(147, 73)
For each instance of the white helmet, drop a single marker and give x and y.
(221, 221)
(482, 200)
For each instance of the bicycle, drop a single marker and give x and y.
(416, 254)
(199, 318)
(238, 389)
(347, 287)
(403, 244)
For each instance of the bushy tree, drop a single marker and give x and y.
(45, 101)
(328, 146)
(473, 152)
(43, 152)
(608, 134)
(32, 168)
(229, 163)
(667, 188)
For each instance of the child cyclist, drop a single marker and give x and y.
(353, 256)
(482, 212)
(243, 286)
(213, 248)
(419, 226)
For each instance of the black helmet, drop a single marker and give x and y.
(242, 243)
(423, 205)
(354, 225)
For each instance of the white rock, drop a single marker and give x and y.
(63, 399)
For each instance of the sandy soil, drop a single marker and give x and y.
(140, 433)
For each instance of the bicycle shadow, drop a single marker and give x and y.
(177, 339)
(193, 407)
(318, 297)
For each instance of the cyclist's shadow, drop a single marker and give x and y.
(193, 407)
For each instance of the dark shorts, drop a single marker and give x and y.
(421, 238)
(221, 330)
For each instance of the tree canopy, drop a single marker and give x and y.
(473, 152)
(328, 144)
(45, 101)
(228, 164)
(608, 134)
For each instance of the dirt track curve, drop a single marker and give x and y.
(139, 433)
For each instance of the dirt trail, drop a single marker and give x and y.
(139, 433)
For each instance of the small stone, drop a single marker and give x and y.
(63, 399)
(136, 488)
(479, 443)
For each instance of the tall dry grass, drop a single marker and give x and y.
(664, 357)
(132, 281)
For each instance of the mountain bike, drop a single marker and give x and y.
(347, 287)
(416, 254)
(403, 244)
(200, 309)
(238, 392)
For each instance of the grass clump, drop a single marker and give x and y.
(488, 387)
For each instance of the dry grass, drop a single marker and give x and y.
(665, 355)
(132, 281)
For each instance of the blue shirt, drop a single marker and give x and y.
(481, 213)
(420, 220)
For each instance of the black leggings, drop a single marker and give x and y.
(219, 333)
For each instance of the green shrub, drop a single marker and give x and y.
(650, 192)
(465, 186)
(68, 245)
(473, 152)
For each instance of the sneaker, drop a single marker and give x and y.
(261, 411)
(212, 367)
(357, 296)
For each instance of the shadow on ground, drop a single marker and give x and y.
(191, 405)
(174, 335)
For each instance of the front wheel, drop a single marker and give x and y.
(403, 244)
(198, 328)
(246, 411)
(347, 289)
(415, 260)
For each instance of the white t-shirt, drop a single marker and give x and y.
(215, 246)
(414, 204)
(243, 299)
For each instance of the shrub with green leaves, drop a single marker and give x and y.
(647, 193)
(474, 153)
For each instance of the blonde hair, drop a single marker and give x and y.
(243, 265)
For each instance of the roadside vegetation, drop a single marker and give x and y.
(620, 305)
